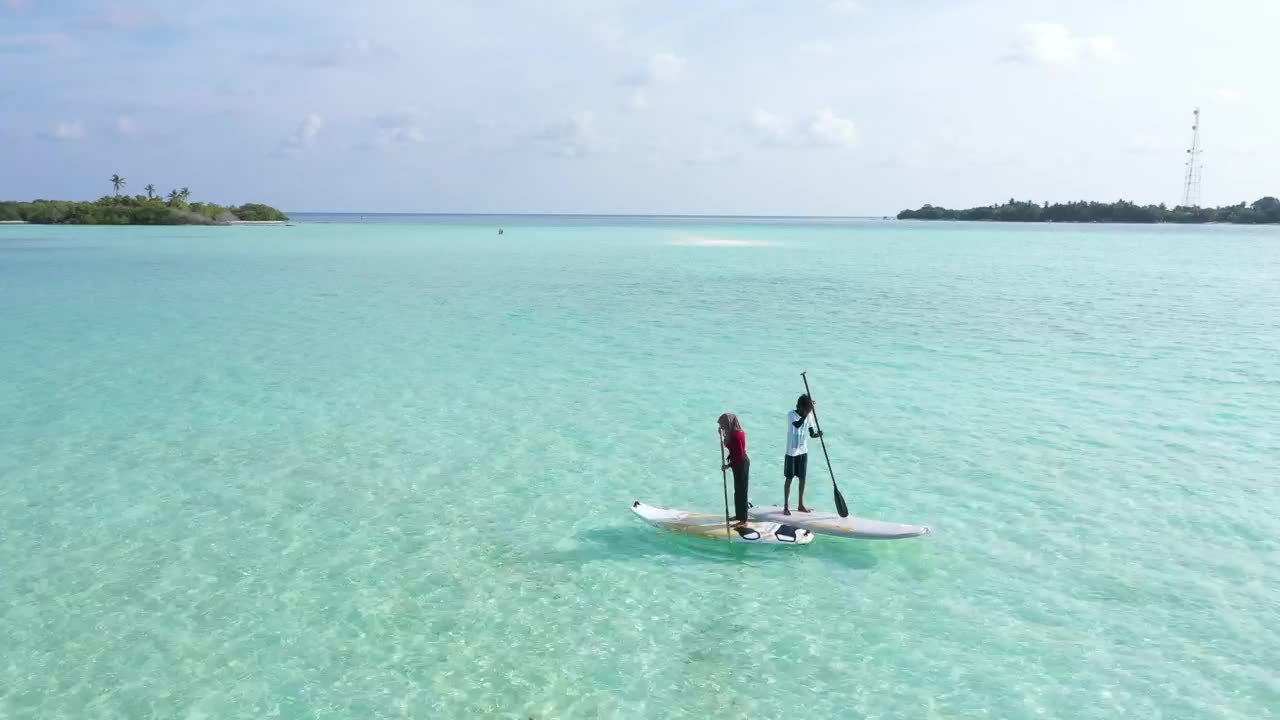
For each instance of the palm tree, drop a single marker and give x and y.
(151, 191)
(118, 182)
(185, 194)
(175, 197)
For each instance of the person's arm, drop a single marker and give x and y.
(813, 433)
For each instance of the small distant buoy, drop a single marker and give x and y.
(499, 231)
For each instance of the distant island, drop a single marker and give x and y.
(148, 209)
(1264, 211)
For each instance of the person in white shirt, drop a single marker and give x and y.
(799, 429)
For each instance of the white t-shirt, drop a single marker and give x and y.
(798, 437)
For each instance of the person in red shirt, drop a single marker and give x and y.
(735, 441)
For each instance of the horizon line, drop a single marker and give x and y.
(591, 215)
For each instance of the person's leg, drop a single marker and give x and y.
(741, 474)
(786, 487)
(802, 469)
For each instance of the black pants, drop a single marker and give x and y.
(741, 472)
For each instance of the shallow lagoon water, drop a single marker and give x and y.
(383, 469)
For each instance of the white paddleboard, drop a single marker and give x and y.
(712, 525)
(829, 523)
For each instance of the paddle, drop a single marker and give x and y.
(841, 508)
(724, 479)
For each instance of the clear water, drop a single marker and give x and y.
(383, 470)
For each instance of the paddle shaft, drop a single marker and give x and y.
(813, 408)
(724, 479)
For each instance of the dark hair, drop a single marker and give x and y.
(803, 402)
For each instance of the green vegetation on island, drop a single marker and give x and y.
(149, 209)
(1264, 211)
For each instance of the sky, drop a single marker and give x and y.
(805, 107)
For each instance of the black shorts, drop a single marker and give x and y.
(795, 466)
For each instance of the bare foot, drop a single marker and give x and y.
(786, 511)
(801, 508)
(740, 523)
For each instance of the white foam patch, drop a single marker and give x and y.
(710, 241)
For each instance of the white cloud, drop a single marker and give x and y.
(638, 99)
(1054, 45)
(661, 68)
(66, 131)
(844, 7)
(771, 128)
(306, 134)
(575, 136)
(664, 68)
(829, 129)
(824, 129)
(400, 128)
(126, 126)
(1048, 44)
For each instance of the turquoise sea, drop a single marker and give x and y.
(383, 469)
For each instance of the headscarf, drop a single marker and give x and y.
(729, 423)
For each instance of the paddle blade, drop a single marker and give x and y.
(841, 508)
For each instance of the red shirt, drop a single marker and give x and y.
(736, 444)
